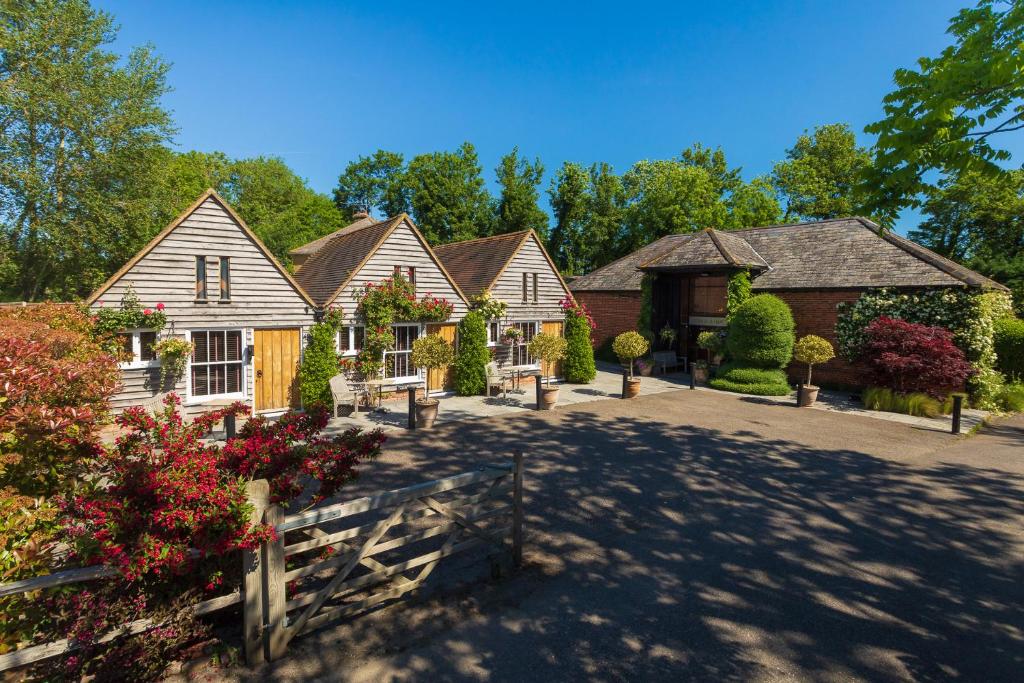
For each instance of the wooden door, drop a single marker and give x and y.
(276, 355)
(553, 328)
(442, 379)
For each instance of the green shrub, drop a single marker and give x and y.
(578, 366)
(473, 356)
(746, 379)
(813, 350)
(738, 291)
(319, 364)
(916, 404)
(432, 352)
(761, 332)
(1009, 346)
(1011, 399)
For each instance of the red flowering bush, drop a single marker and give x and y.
(291, 449)
(577, 309)
(909, 357)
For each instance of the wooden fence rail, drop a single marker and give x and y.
(329, 563)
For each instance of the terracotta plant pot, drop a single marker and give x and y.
(426, 412)
(548, 398)
(632, 389)
(645, 370)
(700, 374)
(807, 397)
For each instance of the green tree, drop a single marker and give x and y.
(947, 114)
(606, 222)
(570, 205)
(753, 204)
(374, 182)
(473, 356)
(79, 129)
(319, 364)
(447, 194)
(517, 205)
(820, 177)
(725, 179)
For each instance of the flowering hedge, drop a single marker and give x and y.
(909, 357)
(130, 315)
(969, 315)
(578, 366)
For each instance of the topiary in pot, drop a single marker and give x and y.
(811, 350)
(430, 353)
(550, 349)
(629, 346)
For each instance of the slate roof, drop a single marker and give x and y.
(708, 248)
(476, 264)
(328, 270)
(832, 254)
(317, 244)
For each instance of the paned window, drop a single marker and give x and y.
(216, 362)
(398, 363)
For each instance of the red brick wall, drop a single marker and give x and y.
(815, 312)
(614, 312)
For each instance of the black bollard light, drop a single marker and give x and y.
(537, 388)
(412, 407)
(799, 392)
(229, 426)
(625, 378)
(693, 376)
(958, 405)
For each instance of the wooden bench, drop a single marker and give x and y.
(664, 360)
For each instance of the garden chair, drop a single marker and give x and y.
(495, 378)
(345, 391)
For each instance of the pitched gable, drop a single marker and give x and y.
(531, 259)
(476, 264)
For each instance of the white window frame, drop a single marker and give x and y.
(493, 340)
(237, 395)
(536, 330)
(405, 378)
(136, 363)
(350, 330)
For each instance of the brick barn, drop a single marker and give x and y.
(812, 266)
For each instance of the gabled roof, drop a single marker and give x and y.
(708, 249)
(316, 245)
(478, 264)
(208, 194)
(332, 267)
(831, 254)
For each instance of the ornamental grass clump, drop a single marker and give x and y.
(549, 348)
(813, 350)
(629, 346)
(432, 353)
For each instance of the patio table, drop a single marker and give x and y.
(517, 372)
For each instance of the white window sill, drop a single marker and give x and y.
(199, 400)
(139, 365)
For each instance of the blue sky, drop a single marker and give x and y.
(319, 83)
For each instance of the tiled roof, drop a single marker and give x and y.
(476, 264)
(708, 248)
(317, 244)
(838, 253)
(327, 270)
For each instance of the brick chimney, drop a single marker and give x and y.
(360, 214)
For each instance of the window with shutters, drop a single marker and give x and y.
(137, 345)
(217, 367)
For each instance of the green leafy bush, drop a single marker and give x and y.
(578, 366)
(473, 356)
(738, 291)
(917, 404)
(761, 332)
(813, 350)
(1011, 398)
(1009, 347)
(745, 379)
(319, 363)
(629, 346)
(549, 348)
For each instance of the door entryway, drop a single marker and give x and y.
(276, 356)
(442, 379)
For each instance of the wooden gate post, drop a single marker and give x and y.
(258, 494)
(276, 639)
(517, 509)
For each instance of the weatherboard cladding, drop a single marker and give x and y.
(530, 259)
(834, 254)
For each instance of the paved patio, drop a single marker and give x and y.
(608, 385)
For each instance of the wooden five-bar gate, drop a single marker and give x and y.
(339, 560)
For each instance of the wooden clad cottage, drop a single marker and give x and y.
(813, 266)
(222, 290)
(515, 269)
(334, 269)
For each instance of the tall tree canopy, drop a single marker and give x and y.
(589, 208)
(954, 111)
(820, 177)
(80, 128)
(517, 205)
(374, 182)
(447, 194)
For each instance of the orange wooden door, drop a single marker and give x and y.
(553, 328)
(442, 379)
(276, 356)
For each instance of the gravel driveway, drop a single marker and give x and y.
(700, 536)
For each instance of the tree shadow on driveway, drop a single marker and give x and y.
(755, 550)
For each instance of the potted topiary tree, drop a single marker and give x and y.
(430, 353)
(710, 342)
(629, 346)
(812, 350)
(550, 349)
